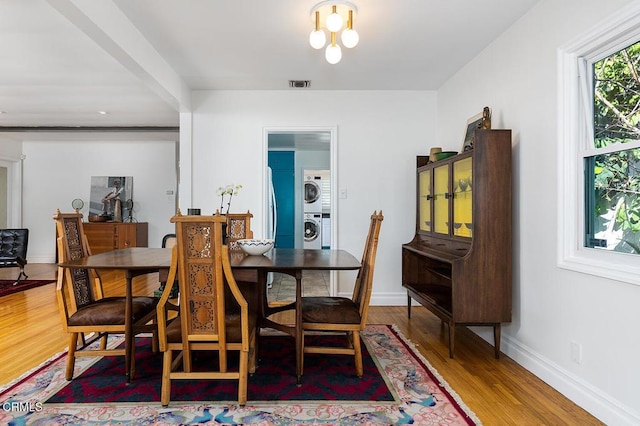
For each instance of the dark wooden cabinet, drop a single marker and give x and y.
(108, 236)
(458, 265)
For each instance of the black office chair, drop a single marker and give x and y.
(168, 241)
(13, 250)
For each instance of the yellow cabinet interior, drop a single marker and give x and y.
(445, 192)
(425, 196)
(462, 196)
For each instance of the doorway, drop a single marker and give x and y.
(311, 148)
(10, 193)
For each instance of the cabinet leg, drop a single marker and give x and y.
(408, 306)
(496, 339)
(452, 338)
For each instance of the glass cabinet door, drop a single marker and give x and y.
(441, 199)
(462, 196)
(424, 200)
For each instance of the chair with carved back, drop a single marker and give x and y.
(83, 308)
(238, 228)
(169, 336)
(207, 320)
(341, 314)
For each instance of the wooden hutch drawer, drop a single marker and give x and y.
(108, 236)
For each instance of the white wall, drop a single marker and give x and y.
(517, 77)
(57, 172)
(379, 135)
(10, 149)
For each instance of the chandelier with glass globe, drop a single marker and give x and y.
(336, 14)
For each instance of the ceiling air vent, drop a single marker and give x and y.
(299, 83)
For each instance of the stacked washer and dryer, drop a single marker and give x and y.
(316, 213)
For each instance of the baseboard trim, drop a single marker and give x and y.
(387, 299)
(40, 259)
(592, 399)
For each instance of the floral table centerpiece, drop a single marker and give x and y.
(229, 190)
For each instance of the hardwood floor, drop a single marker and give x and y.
(500, 392)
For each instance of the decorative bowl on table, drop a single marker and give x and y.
(445, 154)
(98, 218)
(255, 247)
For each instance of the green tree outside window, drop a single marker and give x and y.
(613, 178)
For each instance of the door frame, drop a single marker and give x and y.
(333, 166)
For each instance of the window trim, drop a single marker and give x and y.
(610, 35)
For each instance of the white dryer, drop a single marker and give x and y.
(312, 231)
(312, 192)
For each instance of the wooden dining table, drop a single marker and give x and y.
(138, 261)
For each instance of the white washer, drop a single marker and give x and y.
(312, 231)
(312, 192)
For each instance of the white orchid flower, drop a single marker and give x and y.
(229, 190)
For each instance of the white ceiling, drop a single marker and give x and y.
(139, 60)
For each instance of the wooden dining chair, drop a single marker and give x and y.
(238, 228)
(206, 321)
(83, 308)
(341, 314)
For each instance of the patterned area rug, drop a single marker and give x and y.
(325, 377)
(7, 287)
(420, 397)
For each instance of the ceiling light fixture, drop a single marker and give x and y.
(337, 12)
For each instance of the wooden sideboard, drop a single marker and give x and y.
(458, 264)
(108, 236)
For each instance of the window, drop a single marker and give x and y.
(599, 134)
